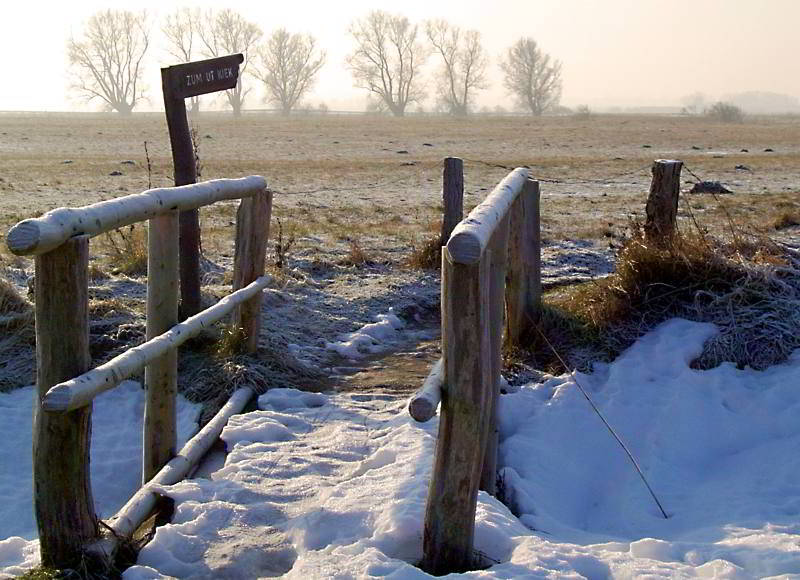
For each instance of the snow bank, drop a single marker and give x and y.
(116, 462)
(344, 496)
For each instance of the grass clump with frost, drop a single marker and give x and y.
(749, 289)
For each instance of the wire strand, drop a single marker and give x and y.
(606, 423)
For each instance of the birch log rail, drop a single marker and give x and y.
(39, 235)
(80, 391)
(423, 404)
(142, 503)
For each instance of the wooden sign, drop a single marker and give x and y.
(178, 83)
(204, 76)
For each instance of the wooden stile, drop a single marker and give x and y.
(524, 280)
(161, 376)
(497, 290)
(463, 425)
(452, 196)
(252, 233)
(61, 441)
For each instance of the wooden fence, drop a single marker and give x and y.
(490, 275)
(491, 259)
(59, 240)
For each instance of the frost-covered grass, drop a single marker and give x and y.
(749, 287)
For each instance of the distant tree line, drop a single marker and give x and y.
(387, 59)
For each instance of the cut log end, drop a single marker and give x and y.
(422, 409)
(464, 247)
(58, 398)
(23, 237)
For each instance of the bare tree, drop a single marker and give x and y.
(464, 63)
(532, 76)
(287, 64)
(107, 61)
(181, 29)
(387, 59)
(227, 32)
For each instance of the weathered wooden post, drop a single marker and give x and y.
(470, 375)
(452, 196)
(524, 282)
(464, 423)
(252, 233)
(179, 82)
(61, 441)
(662, 203)
(497, 290)
(161, 376)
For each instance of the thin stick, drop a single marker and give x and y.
(603, 419)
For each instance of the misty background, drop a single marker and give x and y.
(617, 55)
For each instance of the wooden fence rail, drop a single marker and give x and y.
(498, 241)
(59, 239)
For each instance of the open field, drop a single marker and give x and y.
(378, 178)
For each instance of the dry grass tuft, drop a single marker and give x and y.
(427, 256)
(749, 289)
(17, 336)
(356, 256)
(787, 219)
(127, 250)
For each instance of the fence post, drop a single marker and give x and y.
(463, 425)
(252, 233)
(452, 196)
(662, 203)
(61, 441)
(497, 287)
(524, 284)
(161, 376)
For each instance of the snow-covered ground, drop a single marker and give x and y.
(116, 463)
(322, 486)
(334, 485)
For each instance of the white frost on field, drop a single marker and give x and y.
(116, 463)
(321, 486)
(369, 339)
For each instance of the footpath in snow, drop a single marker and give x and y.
(322, 486)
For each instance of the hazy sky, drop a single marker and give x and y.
(614, 52)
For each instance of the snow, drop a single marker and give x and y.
(369, 339)
(116, 463)
(334, 485)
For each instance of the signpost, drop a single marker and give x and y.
(178, 83)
